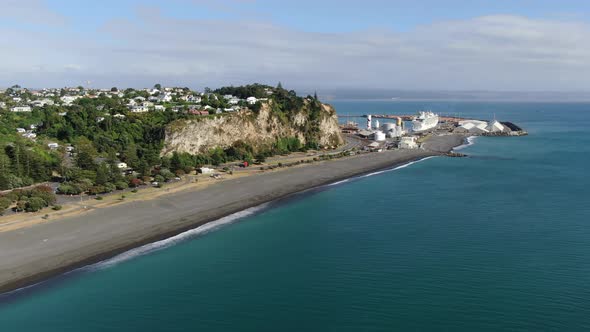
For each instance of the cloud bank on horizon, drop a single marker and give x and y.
(243, 41)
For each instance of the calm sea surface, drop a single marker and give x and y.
(497, 241)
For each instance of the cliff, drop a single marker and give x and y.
(317, 123)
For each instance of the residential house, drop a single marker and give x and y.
(165, 97)
(159, 108)
(68, 100)
(41, 102)
(251, 100)
(21, 109)
(21, 130)
(29, 135)
(139, 109)
(53, 146)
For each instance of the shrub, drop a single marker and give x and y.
(134, 191)
(166, 174)
(68, 188)
(4, 204)
(48, 197)
(95, 190)
(20, 206)
(135, 183)
(109, 187)
(159, 178)
(56, 207)
(98, 198)
(34, 204)
(43, 188)
(120, 185)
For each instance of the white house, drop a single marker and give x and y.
(251, 100)
(159, 108)
(29, 135)
(119, 116)
(165, 97)
(42, 102)
(122, 165)
(21, 130)
(233, 101)
(408, 142)
(68, 100)
(205, 170)
(53, 146)
(21, 109)
(99, 118)
(139, 109)
(69, 148)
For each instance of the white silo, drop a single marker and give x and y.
(379, 136)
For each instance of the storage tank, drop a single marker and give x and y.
(387, 127)
(379, 136)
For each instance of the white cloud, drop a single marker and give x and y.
(30, 11)
(500, 52)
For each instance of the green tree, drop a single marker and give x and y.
(102, 174)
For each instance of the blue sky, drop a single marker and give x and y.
(428, 44)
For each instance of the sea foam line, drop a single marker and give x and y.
(171, 241)
(470, 142)
(396, 168)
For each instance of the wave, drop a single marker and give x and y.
(171, 241)
(470, 142)
(396, 168)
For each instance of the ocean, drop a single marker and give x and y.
(496, 241)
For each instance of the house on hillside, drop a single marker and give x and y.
(21, 109)
(251, 100)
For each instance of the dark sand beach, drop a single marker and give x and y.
(33, 254)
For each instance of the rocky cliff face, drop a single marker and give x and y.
(259, 129)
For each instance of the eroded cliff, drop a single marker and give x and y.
(312, 124)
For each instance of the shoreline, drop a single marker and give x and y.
(41, 252)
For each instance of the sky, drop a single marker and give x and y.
(493, 45)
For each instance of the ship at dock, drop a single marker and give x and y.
(424, 120)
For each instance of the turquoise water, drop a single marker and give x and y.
(497, 241)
